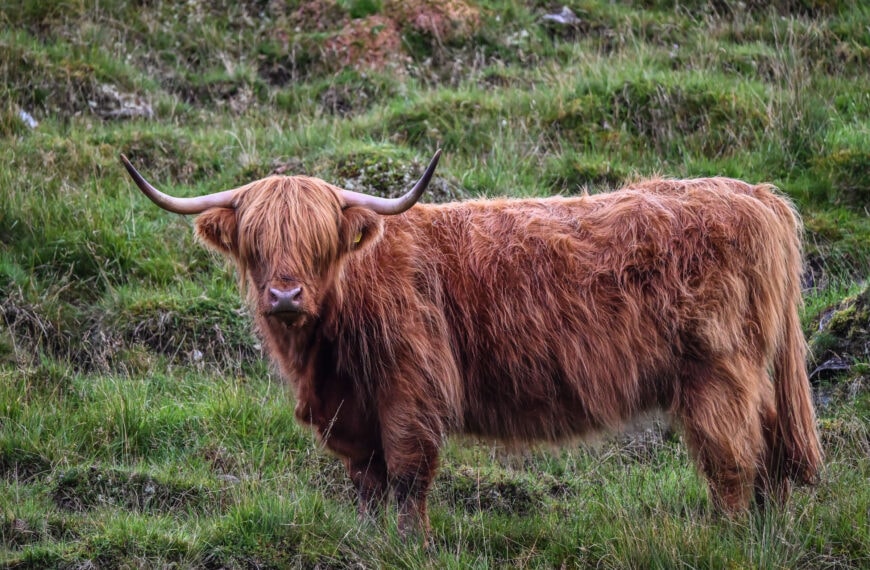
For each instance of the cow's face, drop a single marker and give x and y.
(289, 237)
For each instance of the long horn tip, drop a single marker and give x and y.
(128, 165)
(430, 170)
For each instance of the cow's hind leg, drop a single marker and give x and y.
(719, 409)
(771, 484)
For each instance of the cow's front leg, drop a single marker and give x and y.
(369, 477)
(411, 452)
(410, 492)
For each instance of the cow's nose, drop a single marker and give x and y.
(282, 301)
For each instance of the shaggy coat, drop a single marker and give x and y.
(534, 320)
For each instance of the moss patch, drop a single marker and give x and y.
(843, 335)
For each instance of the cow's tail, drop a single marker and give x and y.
(797, 453)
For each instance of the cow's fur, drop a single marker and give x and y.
(535, 320)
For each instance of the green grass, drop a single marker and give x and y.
(139, 424)
(193, 468)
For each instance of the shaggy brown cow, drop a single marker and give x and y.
(527, 320)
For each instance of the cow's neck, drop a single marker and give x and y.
(289, 346)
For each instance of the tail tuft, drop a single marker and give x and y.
(799, 452)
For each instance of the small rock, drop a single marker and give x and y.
(110, 103)
(27, 119)
(565, 18)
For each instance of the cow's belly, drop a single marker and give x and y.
(548, 402)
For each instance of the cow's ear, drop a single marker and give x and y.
(360, 227)
(216, 227)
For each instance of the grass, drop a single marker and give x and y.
(139, 425)
(196, 468)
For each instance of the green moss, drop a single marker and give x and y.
(844, 330)
(384, 172)
(37, 12)
(838, 243)
(714, 121)
(163, 155)
(205, 326)
(18, 462)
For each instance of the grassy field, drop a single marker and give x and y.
(140, 426)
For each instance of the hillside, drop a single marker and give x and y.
(139, 423)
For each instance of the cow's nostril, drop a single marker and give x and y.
(296, 294)
(285, 301)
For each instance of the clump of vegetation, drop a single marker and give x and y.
(576, 173)
(491, 490)
(378, 173)
(21, 464)
(846, 160)
(842, 339)
(84, 489)
(372, 42)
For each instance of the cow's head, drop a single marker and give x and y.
(288, 235)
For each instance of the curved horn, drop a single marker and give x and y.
(179, 205)
(387, 206)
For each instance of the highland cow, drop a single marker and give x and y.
(527, 320)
